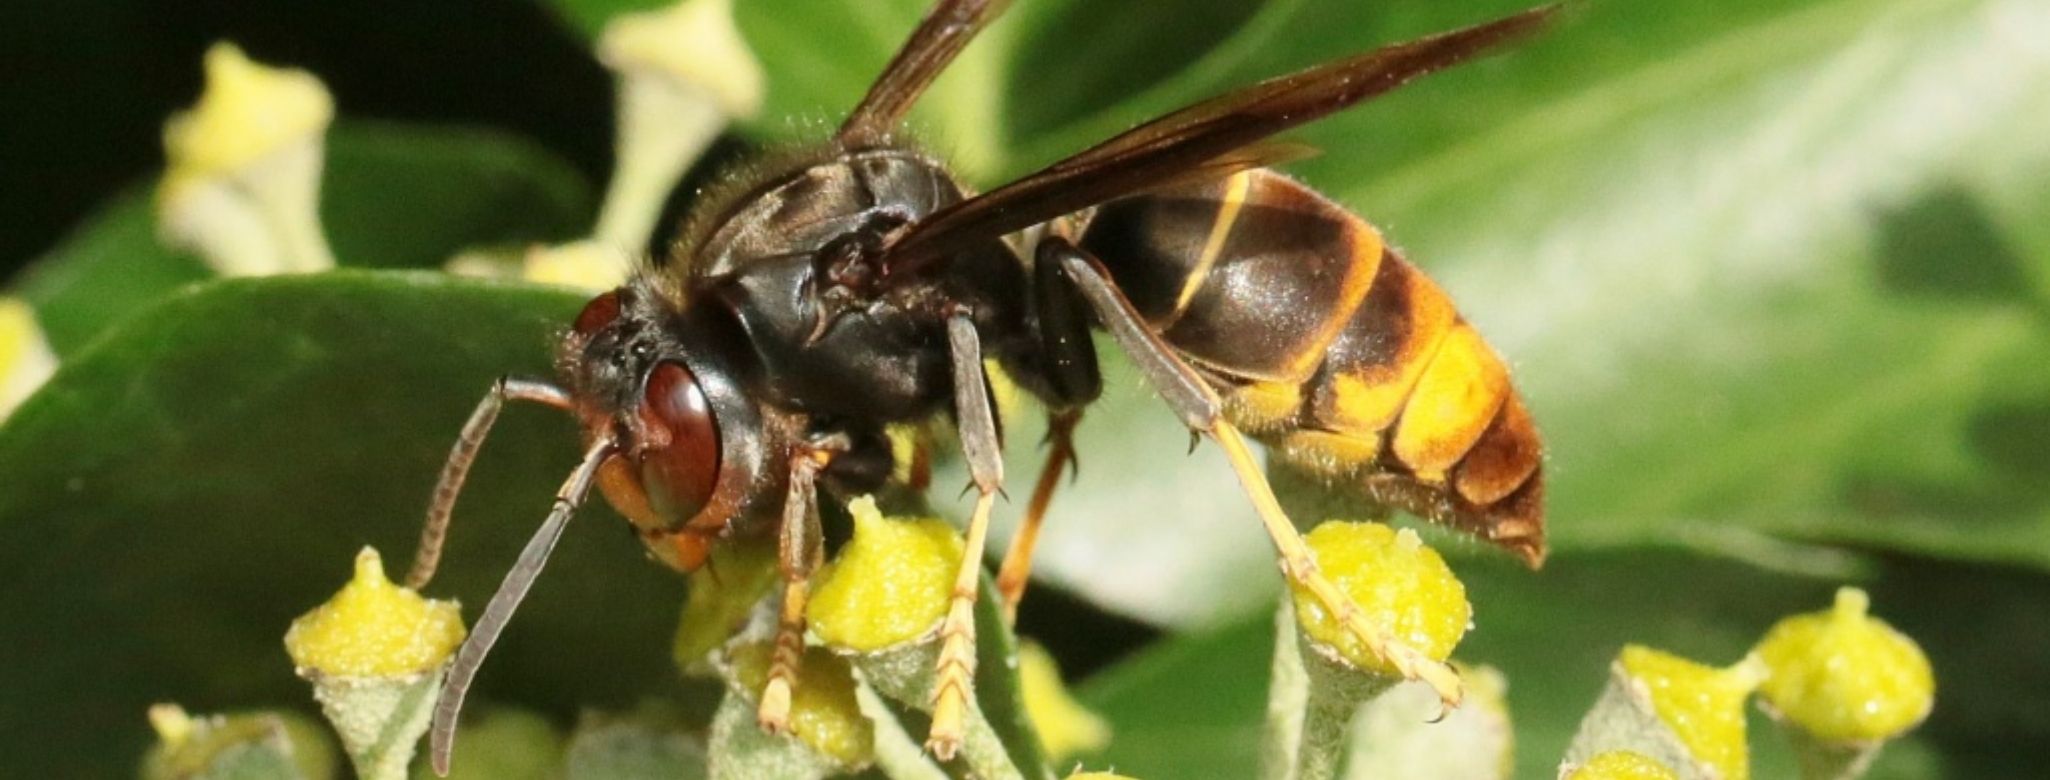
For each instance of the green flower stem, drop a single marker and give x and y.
(898, 755)
(1311, 705)
(1823, 760)
(684, 72)
(1288, 693)
(380, 719)
(742, 751)
(904, 674)
(663, 128)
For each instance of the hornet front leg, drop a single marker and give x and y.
(799, 548)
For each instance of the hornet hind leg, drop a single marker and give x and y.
(1200, 409)
(1069, 379)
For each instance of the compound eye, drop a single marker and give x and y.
(597, 314)
(680, 457)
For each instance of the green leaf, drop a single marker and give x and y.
(1191, 707)
(1716, 275)
(462, 188)
(391, 196)
(205, 471)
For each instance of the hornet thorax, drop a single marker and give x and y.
(796, 262)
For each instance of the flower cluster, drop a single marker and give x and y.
(1841, 682)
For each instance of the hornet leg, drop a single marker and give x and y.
(1200, 409)
(799, 548)
(954, 675)
(1067, 361)
(1060, 456)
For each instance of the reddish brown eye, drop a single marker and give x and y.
(600, 312)
(680, 459)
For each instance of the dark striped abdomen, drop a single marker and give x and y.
(1342, 357)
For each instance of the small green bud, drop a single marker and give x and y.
(374, 654)
(1399, 585)
(218, 747)
(1844, 676)
(890, 583)
(722, 595)
(824, 712)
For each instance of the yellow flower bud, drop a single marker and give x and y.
(684, 71)
(1844, 676)
(373, 628)
(1065, 726)
(585, 265)
(247, 112)
(824, 712)
(890, 584)
(1399, 584)
(25, 358)
(721, 596)
(243, 183)
(1622, 765)
(694, 42)
(1702, 705)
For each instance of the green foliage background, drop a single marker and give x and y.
(1772, 274)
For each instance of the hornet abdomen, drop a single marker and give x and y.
(1326, 345)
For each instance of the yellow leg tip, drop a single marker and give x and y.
(774, 713)
(1411, 662)
(1443, 680)
(944, 741)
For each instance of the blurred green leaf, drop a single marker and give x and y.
(206, 471)
(1761, 265)
(391, 196)
(643, 745)
(1731, 279)
(404, 196)
(1191, 707)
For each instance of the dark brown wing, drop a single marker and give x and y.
(944, 32)
(1209, 138)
